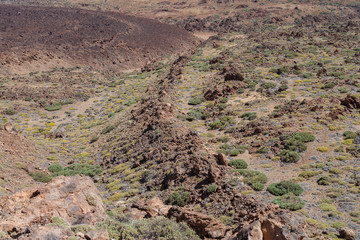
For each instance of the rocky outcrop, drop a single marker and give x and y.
(50, 209)
(152, 207)
(204, 225)
(347, 234)
(279, 225)
(232, 73)
(351, 102)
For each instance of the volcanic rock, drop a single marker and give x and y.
(36, 210)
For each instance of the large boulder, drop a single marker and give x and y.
(51, 208)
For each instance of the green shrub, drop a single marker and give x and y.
(83, 228)
(289, 201)
(349, 135)
(77, 168)
(223, 100)
(223, 139)
(221, 106)
(179, 198)
(71, 170)
(295, 145)
(238, 164)
(328, 207)
(284, 187)
(262, 150)
(309, 174)
(242, 148)
(10, 111)
(249, 115)
(211, 188)
(108, 129)
(289, 156)
(195, 101)
(40, 177)
(283, 87)
(330, 85)
(307, 75)
(222, 123)
(54, 168)
(234, 152)
(240, 90)
(324, 180)
(253, 177)
(4, 235)
(151, 228)
(196, 114)
(131, 102)
(258, 186)
(56, 221)
(343, 90)
(304, 137)
(338, 224)
(94, 139)
(53, 107)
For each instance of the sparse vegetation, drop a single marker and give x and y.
(289, 201)
(238, 164)
(284, 187)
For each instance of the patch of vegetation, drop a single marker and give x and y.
(180, 197)
(196, 114)
(249, 115)
(40, 177)
(324, 180)
(122, 227)
(289, 156)
(58, 105)
(10, 111)
(338, 224)
(284, 187)
(349, 135)
(238, 164)
(211, 188)
(323, 149)
(289, 201)
(222, 123)
(253, 178)
(195, 101)
(56, 221)
(77, 168)
(309, 174)
(304, 137)
(294, 146)
(83, 228)
(108, 129)
(71, 170)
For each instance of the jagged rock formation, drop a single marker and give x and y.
(179, 158)
(48, 211)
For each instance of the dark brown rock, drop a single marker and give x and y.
(347, 234)
(221, 159)
(351, 102)
(232, 73)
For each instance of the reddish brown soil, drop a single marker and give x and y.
(40, 38)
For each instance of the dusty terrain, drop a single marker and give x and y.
(251, 134)
(34, 39)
